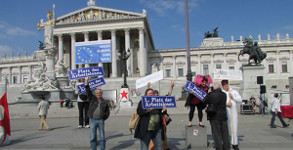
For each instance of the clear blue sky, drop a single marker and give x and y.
(18, 18)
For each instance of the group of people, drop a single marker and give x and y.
(224, 119)
(151, 128)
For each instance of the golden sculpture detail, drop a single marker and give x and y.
(48, 27)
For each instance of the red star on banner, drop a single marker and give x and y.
(123, 94)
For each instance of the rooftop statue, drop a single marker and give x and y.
(48, 27)
(211, 35)
(253, 50)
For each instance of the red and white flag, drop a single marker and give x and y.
(4, 120)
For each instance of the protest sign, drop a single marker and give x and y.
(157, 102)
(93, 52)
(157, 76)
(228, 74)
(195, 90)
(85, 72)
(92, 83)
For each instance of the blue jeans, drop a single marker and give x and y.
(280, 117)
(156, 136)
(94, 124)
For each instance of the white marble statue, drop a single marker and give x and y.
(48, 27)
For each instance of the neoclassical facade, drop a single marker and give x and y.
(129, 30)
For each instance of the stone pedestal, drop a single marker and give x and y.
(63, 81)
(196, 137)
(50, 62)
(249, 85)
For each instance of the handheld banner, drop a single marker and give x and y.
(157, 76)
(93, 52)
(84, 72)
(195, 90)
(228, 74)
(157, 102)
(92, 83)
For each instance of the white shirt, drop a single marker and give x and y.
(276, 105)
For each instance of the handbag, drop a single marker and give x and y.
(133, 122)
(167, 119)
(211, 109)
(83, 97)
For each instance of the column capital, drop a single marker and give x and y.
(99, 31)
(59, 35)
(85, 32)
(126, 30)
(141, 30)
(113, 32)
(72, 34)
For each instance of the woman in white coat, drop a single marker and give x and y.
(233, 98)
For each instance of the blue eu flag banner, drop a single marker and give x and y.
(93, 52)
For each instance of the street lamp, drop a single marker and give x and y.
(189, 74)
(124, 56)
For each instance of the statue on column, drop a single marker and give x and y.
(48, 27)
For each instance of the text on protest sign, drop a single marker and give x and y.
(157, 102)
(227, 74)
(84, 72)
(92, 83)
(195, 90)
(157, 76)
(93, 52)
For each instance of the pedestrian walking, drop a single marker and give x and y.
(99, 111)
(43, 107)
(276, 111)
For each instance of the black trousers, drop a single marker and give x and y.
(220, 134)
(83, 108)
(199, 107)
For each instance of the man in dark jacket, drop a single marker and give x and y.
(218, 119)
(98, 112)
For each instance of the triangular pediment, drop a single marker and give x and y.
(96, 14)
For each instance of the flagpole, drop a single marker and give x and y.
(53, 24)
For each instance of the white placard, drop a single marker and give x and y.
(228, 74)
(150, 78)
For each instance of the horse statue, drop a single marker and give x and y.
(253, 50)
(211, 35)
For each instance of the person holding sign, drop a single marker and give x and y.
(150, 125)
(193, 101)
(99, 111)
(233, 97)
(83, 106)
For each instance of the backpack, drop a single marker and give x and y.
(133, 122)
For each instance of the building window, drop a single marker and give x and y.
(180, 72)
(14, 79)
(287, 86)
(24, 78)
(205, 69)
(168, 72)
(271, 68)
(284, 67)
(231, 67)
(273, 87)
(218, 66)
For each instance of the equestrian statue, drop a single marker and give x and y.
(253, 50)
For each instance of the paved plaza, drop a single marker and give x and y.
(254, 132)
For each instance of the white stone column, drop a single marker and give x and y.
(20, 79)
(278, 65)
(60, 48)
(0, 74)
(127, 46)
(30, 72)
(114, 55)
(269, 37)
(86, 39)
(143, 54)
(174, 67)
(212, 64)
(290, 69)
(100, 35)
(162, 63)
(259, 37)
(10, 75)
(199, 65)
(73, 66)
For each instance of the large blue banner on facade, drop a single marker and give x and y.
(93, 52)
(84, 72)
(92, 83)
(157, 102)
(195, 90)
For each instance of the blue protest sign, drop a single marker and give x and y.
(93, 52)
(84, 72)
(157, 102)
(195, 90)
(92, 83)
